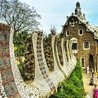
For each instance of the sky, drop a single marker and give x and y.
(54, 12)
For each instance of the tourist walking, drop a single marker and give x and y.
(95, 91)
(92, 72)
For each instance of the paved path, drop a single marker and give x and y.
(88, 88)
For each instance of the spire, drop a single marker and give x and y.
(77, 4)
(78, 9)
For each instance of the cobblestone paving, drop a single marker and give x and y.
(89, 88)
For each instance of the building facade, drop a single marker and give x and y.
(83, 37)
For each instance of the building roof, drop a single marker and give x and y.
(81, 17)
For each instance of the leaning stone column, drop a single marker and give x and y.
(52, 61)
(24, 90)
(72, 61)
(11, 82)
(72, 57)
(65, 62)
(41, 80)
(57, 76)
(58, 55)
(68, 57)
(6, 73)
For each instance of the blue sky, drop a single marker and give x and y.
(54, 12)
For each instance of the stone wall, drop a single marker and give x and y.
(48, 52)
(29, 63)
(45, 81)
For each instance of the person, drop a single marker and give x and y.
(95, 91)
(92, 72)
(91, 81)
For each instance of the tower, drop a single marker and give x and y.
(78, 9)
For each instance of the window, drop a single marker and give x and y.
(86, 45)
(74, 46)
(82, 62)
(73, 22)
(67, 33)
(80, 32)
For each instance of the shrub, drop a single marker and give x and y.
(73, 86)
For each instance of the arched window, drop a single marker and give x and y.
(74, 45)
(80, 32)
(67, 33)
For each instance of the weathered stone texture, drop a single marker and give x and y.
(44, 82)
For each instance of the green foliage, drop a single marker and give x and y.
(19, 45)
(73, 86)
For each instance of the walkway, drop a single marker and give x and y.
(88, 88)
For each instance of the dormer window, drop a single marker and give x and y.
(67, 33)
(73, 22)
(80, 32)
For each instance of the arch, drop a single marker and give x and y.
(74, 45)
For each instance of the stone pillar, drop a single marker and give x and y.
(25, 90)
(7, 78)
(42, 79)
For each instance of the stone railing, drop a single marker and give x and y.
(45, 81)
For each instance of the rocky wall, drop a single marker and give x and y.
(29, 63)
(48, 52)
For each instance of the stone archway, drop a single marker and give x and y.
(91, 61)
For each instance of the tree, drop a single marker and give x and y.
(53, 30)
(19, 15)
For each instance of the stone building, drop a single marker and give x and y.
(83, 37)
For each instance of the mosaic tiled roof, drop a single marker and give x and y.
(81, 17)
